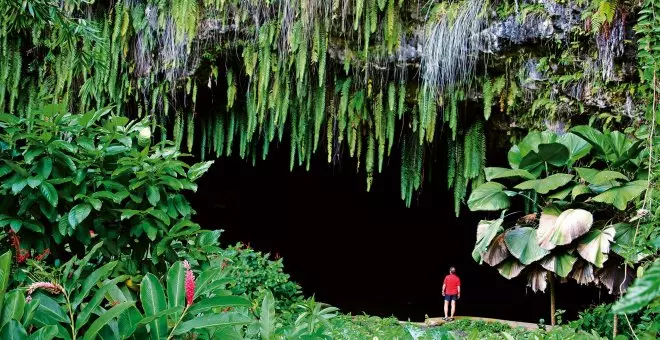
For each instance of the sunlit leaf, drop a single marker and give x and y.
(560, 263)
(486, 231)
(152, 296)
(595, 246)
(577, 147)
(212, 321)
(545, 185)
(620, 196)
(498, 173)
(488, 196)
(562, 229)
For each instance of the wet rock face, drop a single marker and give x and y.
(505, 35)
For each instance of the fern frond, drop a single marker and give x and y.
(190, 135)
(488, 98)
(219, 135)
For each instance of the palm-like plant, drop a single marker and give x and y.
(576, 187)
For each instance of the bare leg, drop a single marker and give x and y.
(453, 307)
(446, 307)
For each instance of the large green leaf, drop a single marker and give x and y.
(153, 195)
(497, 173)
(486, 231)
(44, 333)
(545, 185)
(5, 273)
(91, 280)
(44, 167)
(579, 189)
(644, 290)
(95, 301)
(267, 317)
(577, 147)
(593, 137)
(49, 192)
(560, 263)
(600, 177)
(13, 307)
(49, 312)
(620, 196)
(218, 302)
(105, 318)
(212, 321)
(489, 196)
(79, 213)
(13, 330)
(176, 285)
(497, 251)
(554, 154)
(556, 230)
(152, 297)
(595, 246)
(510, 268)
(198, 169)
(522, 244)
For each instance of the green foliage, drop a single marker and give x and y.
(100, 306)
(256, 275)
(68, 178)
(542, 164)
(644, 290)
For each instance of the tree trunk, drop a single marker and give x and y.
(552, 299)
(615, 326)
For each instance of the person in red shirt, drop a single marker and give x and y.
(451, 290)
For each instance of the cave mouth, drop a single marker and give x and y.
(365, 252)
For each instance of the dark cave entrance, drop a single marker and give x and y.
(367, 252)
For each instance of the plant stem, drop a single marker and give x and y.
(177, 323)
(552, 299)
(73, 323)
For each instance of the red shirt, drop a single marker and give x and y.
(452, 282)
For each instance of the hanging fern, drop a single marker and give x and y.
(487, 91)
(231, 132)
(178, 130)
(451, 162)
(190, 135)
(359, 6)
(402, 100)
(185, 14)
(219, 135)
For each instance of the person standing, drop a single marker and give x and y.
(451, 290)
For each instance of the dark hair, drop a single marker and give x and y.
(452, 270)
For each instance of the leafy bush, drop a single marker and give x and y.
(79, 303)
(367, 327)
(71, 178)
(254, 274)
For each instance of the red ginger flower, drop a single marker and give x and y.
(190, 283)
(52, 288)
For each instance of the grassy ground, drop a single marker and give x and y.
(374, 328)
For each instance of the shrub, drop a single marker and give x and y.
(255, 274)
(71, 179)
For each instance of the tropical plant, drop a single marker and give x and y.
(89, 305)
(70, 178)
(577, 187)
(256, 275)
(313, 321)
